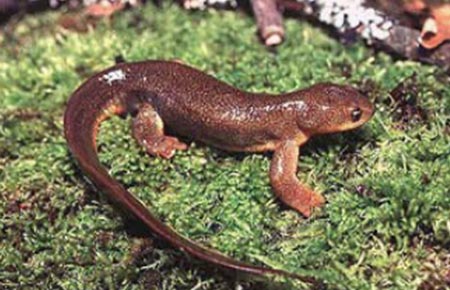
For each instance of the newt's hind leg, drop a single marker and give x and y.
(284, 181)
(148, 130)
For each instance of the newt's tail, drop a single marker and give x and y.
(87, 107)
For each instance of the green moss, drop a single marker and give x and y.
(386, 221)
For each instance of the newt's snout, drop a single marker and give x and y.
(336, 108)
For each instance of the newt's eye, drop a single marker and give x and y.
(356, 114)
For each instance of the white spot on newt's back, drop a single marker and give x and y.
(242, 114)
(112, 76)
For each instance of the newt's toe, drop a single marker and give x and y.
(305, 210)
(305, 200)
(317, 199)
(165, 146)
(307, 207)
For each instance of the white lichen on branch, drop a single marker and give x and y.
(347, 15)
(203, 4)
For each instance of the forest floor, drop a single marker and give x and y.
(386, 224)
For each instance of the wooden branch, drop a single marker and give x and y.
(269, 21)
(9, 8)
(404, 42)
(374, 26)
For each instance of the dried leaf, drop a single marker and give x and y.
(101, 10)
(436, 28)
(75, 22)
(414, 6)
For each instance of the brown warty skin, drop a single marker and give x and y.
(162, 95)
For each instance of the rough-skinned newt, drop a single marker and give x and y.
(162, 95)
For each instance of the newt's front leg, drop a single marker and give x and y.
(148, 130)
(284, 181)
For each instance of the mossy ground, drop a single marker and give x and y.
(386, 224)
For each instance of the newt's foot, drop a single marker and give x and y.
(306, 201)
(163, 146)
(297, 196)
(148, 130)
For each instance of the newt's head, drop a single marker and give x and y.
(335, 108)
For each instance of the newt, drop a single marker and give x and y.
(164, 96)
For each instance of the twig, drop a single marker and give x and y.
(269, 21)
